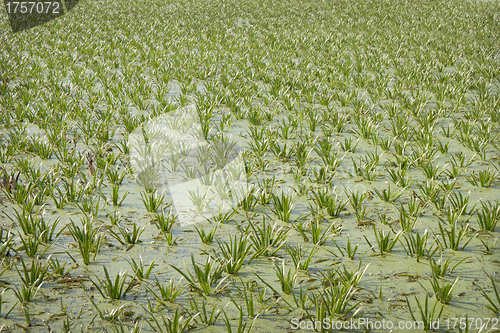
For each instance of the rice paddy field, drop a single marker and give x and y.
(266, 166)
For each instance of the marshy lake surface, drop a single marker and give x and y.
(252, 165)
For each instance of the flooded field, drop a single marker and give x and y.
(236, 166)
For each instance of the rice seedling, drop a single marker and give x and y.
(26, 293)
(347, 277)
(177, 323)
(431, 172)
(355, 198)
(199, 200)
(126, 236)
(281, 152)
(248, 298)
(32, 280)
(416, 245)
(302, 155)
(366, 127)
(301, 259)
(461, 203)
(453, 238)
(443, 292)
(483, 178)
(322, 197)
(430, 192)
(26, 221)
(451, 216)
(40, 148)
(35, 275)
(288, 279)
(203, 153)
(248, 201)
(90, 206)
(57, 269)
(174, 161)
(168, 292)
(493, 300)
(6, 242)
(205, 316)
(165, 222)
(302, 183)
(115, 197)
(207, 238)
(243, 327)
(335, 207)
(417, 102)
(388, 195)
(348, 145)
(384, 241)
(88, 239)
(31, 243)
(205, 276)
(113, 288)
(427, 313)
(60, 198)
(408, 217)
(267, 240)
(488, 216)
(384, 142)
(398, 176)
(266, 190)
(283, 205)
(152, 201)
(334, 300)
(115, 177)
(115, 218)
(111, 316)
(139, 269)
(488, 249)
(318, 237)
(443, 147)
(323, 174)
(233, 254)
(222, 149)
(284, 130)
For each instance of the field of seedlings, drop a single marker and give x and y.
(252, 165)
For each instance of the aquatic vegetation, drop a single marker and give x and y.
(428, 313)
(205, 276)
(207, 238)
(168, 292)
(171, 324)
(288, 279)
(301, 259)
(443, 292)
(111, 130)
(268, 239)
(127, 236)
(283, 205)
(205, 316)
(88, 239)
(152, 201)
(384, 241)
(139, 268)
(453, 238)
(488, 216)
(495, 299)
(113, 288)
(416, 245)
(233, 254)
